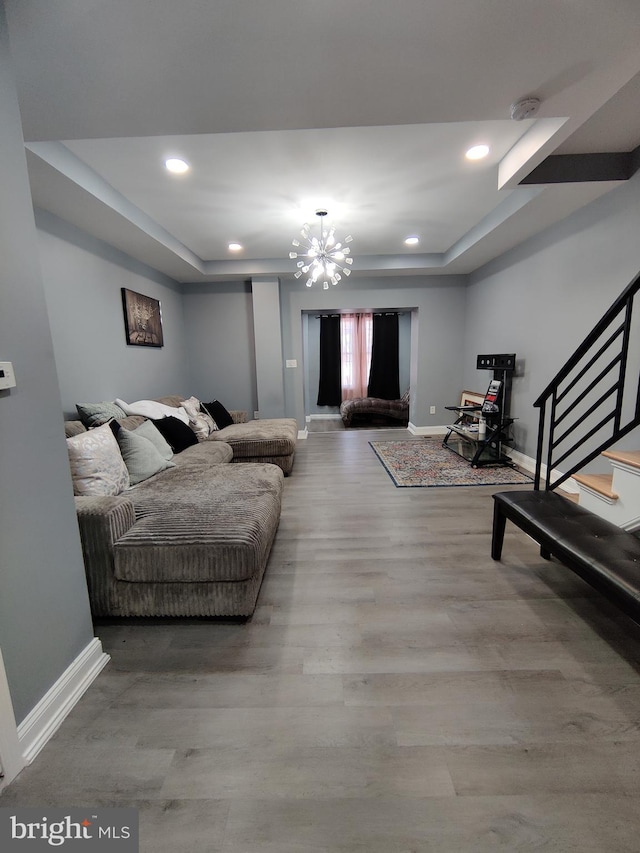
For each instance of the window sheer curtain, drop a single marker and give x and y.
(356, 337)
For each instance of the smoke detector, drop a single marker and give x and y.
(524, 108)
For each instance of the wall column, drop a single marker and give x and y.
(267, 336)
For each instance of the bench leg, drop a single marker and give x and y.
(499, 524)
(545, 553)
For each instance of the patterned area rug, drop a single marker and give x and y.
(420, 463)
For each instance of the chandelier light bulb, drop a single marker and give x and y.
(324, 257)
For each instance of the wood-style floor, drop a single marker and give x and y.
(396, 692)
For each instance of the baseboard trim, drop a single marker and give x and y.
(39, 726)
(528, 463)
(334, 417)
(426, 430)
(303, 433)
(10, 751)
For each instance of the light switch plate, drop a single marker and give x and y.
(7, 376)
(291, 362)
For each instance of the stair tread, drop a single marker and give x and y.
(629, 457)
(600, 483)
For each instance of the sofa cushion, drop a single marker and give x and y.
(263, 438)
(178, 434)
(96, 414)
(97, 467)
(141, 456)
(149, 430)
(219, 414)
(221, 530)
(72, 428)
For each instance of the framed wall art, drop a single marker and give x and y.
(471, 398)
(142, 319)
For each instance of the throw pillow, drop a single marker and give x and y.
(178, 434)
(97, 468)
(140, 456)
(96, 414)
(218, 412)
(200, 422)
(148, 430)
(152, 409)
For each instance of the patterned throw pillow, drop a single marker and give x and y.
(97, 468)
(200, 422)
(96, 414)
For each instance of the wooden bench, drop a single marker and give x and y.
(603, 554)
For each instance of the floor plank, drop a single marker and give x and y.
(396, 690)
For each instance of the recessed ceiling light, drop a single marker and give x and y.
(477, 152)
(412, 241)
(177, 166)
(235, 247)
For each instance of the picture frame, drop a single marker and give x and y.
(142, 319)
(471, 398)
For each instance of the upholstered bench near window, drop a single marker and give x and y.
(369, 408)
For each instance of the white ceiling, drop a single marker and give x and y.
(281, 106)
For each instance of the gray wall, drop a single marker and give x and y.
(541, 299)
(438, 306)
(82, 280)
(219, 320)
(44, 611)
(312, 361)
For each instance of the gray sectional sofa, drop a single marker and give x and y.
(193, 539)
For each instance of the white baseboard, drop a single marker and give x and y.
(426, 430)
(528, 463)
(10, 752)
(45, 719)
(334, 417)
(303, 433)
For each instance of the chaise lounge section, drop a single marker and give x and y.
(269, 440)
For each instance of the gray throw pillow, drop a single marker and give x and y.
(148, 430)
(141, 457)
(96, 414)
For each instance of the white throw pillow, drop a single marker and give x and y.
(151, 409)
(200, 422)
(97, 467)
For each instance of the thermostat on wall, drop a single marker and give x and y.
(7, 377)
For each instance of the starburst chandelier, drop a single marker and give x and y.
(322, 257)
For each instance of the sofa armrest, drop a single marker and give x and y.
(238, 416)
(102, 521)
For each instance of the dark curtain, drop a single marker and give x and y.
(330, 384)
(384, 376)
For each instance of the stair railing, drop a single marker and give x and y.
(573, 430)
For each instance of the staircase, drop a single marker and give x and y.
(588, 407)
(614, 496)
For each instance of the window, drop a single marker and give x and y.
(356, 335)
